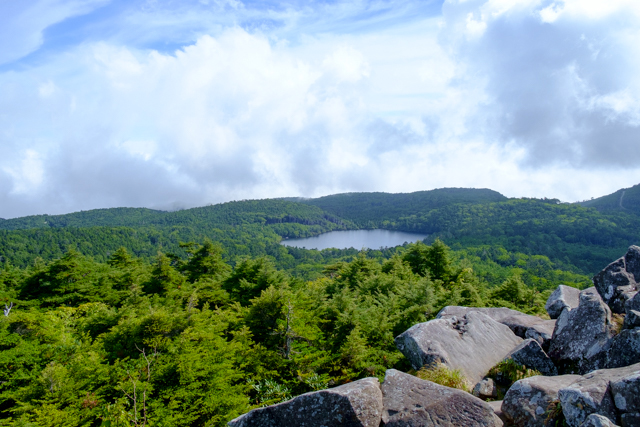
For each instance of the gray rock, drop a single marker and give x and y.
(563, 297)
(526, 326)
(496, 405)
(485, 389)
(595, 420)
(523, 325)
(473, 344)
(617, 283)
(582, 335)
(355, 404)
(496, 313)
(624, 349)
(410, 401)
(530, 354)
(592, 394)
(527, 402)
(626, 397)
(632, 319)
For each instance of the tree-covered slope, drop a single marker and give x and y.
(195, 342)
(579, 238)
(624, 200)
(372, 209)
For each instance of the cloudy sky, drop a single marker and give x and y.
(178, 103)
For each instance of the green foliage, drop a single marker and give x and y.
(443, 375)
(194, 338)
(508, 372)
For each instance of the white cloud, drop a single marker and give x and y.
(530, 98)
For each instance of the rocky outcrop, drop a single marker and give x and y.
(410, 401)
(582, 335)
(473, 340)
(592, 394)
(530, 354)
(473, 344)
(357, 404)
(563, 297)
(618, 282)
(527, 402)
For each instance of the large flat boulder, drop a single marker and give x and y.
(529, 353)
(357, 404)
(592, 394)
(563, 297)
(618, 282)
(523, 325)
(473, 344)
(582, 335)
(410, 401)
(526, 403)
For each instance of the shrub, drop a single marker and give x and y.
(509, 371)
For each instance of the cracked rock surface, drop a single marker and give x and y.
(410, 401)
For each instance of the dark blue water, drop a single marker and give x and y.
(358, 239)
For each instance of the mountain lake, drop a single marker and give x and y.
(358, 239)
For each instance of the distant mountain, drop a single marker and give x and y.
(581, 237)
(363, 208)
(624, 200)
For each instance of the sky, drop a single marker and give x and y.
(170, 104)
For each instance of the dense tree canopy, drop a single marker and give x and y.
(194, 341)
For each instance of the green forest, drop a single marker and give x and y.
(132, 317)
(195, 341)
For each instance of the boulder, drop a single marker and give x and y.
(592, 394)
(582, 335)
(523, 325)
(410, 401)
(526, 326)
(355, 404)
(624, 349)
(530, 354)
(473, 344)
(617, 283)
(595, 420)
(527, 402)
(563, 297)
(626, 397)
(485, 389)
(496, 405)
(632, 319)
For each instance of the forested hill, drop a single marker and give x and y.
(266, 211)
(574, 236)
(624, 200)
(372, 209)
